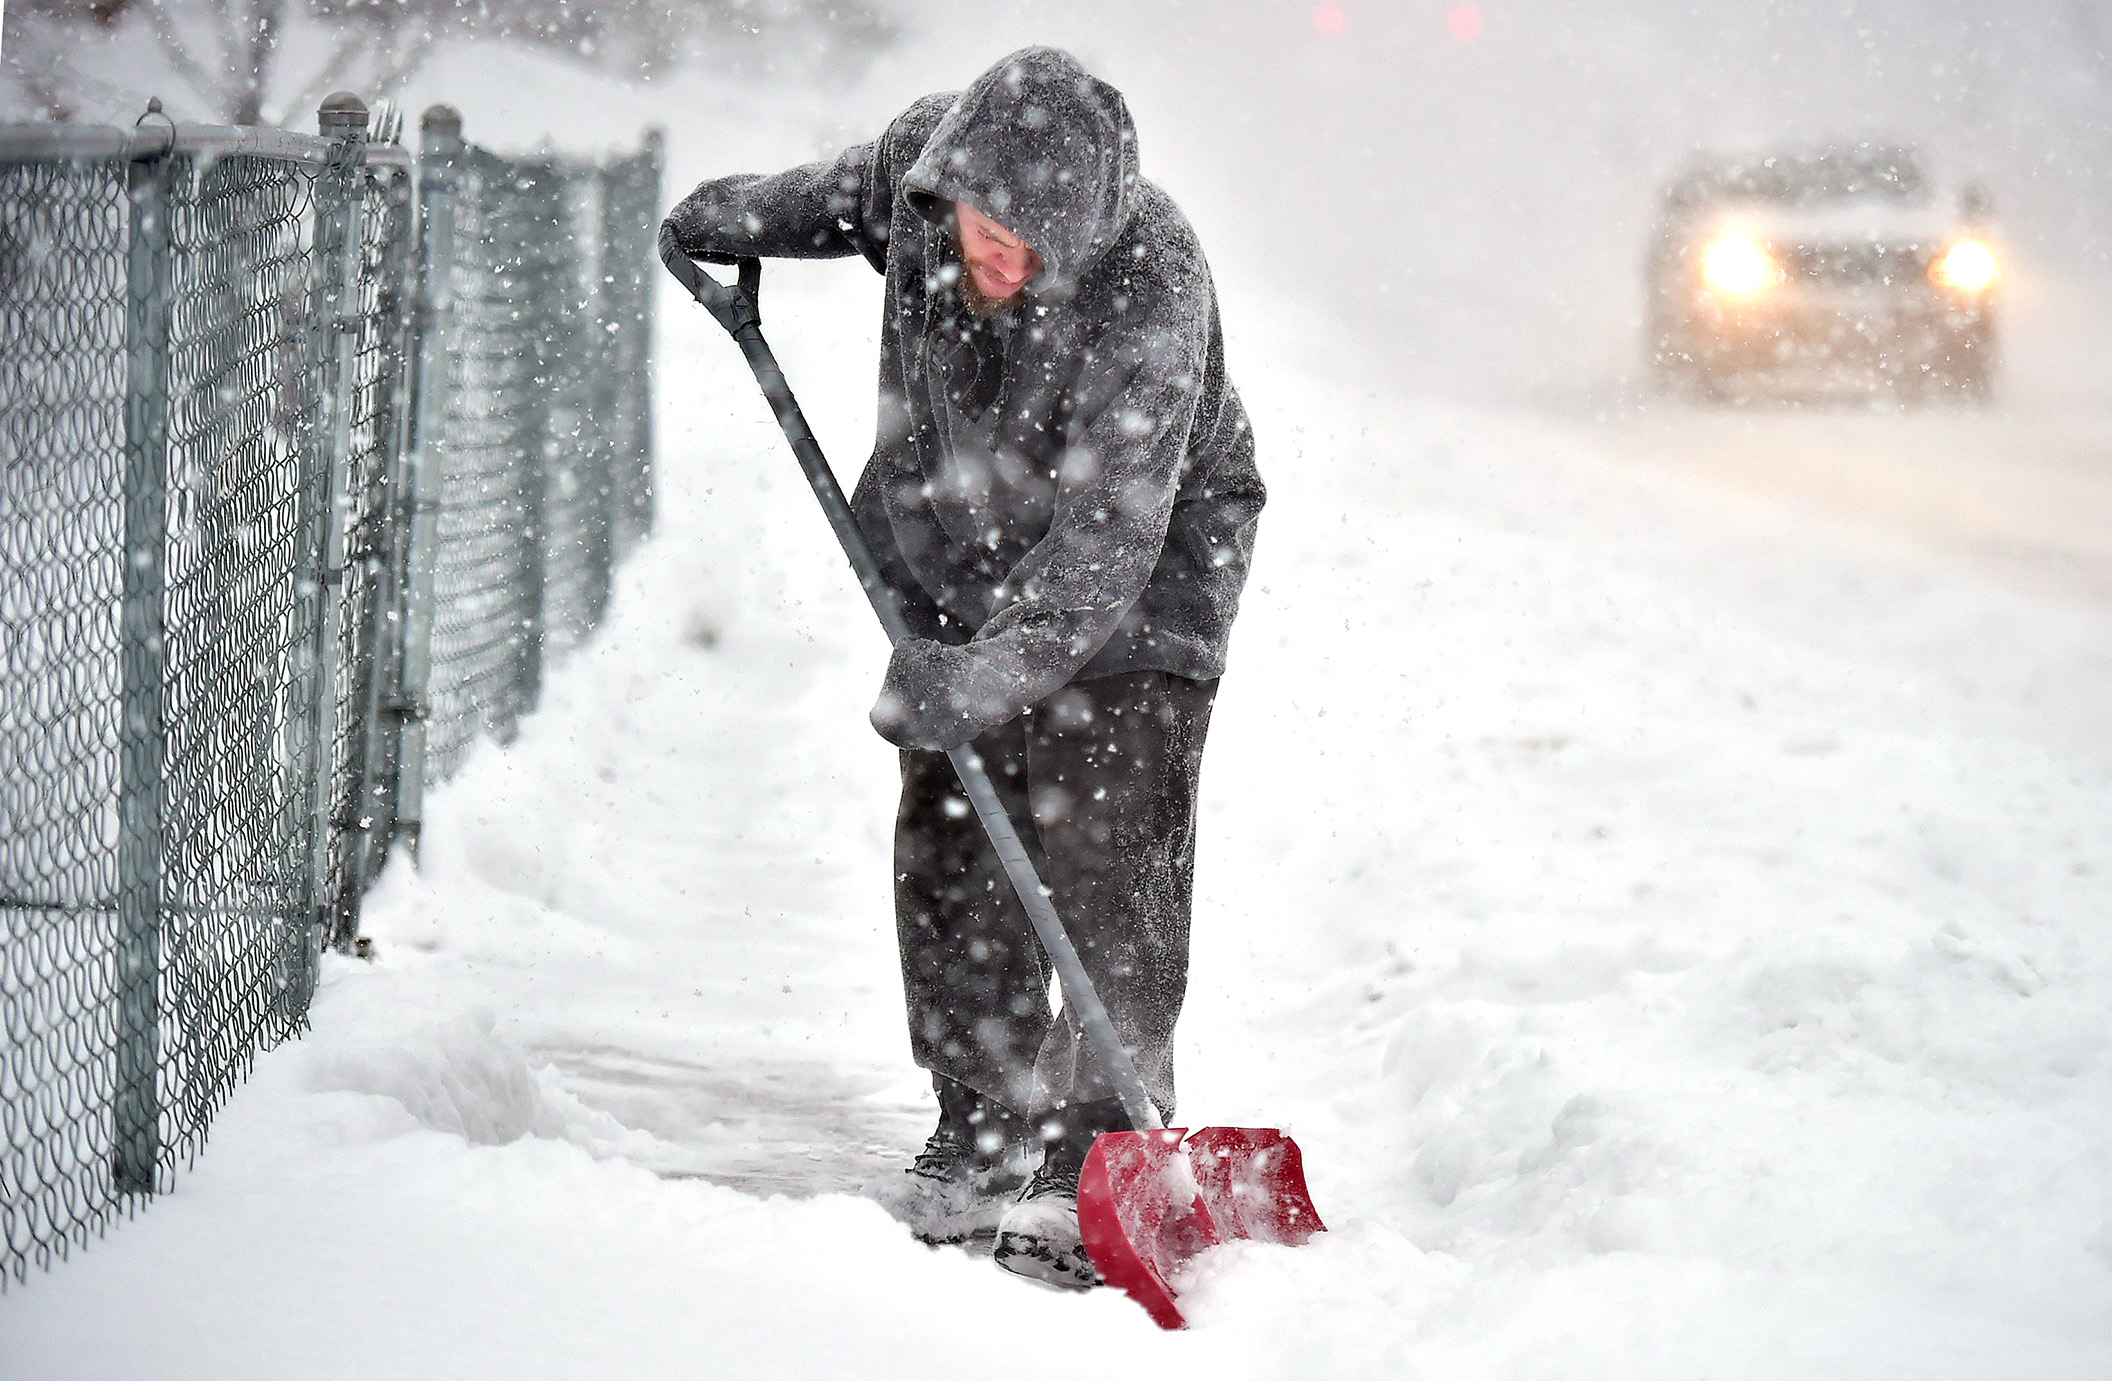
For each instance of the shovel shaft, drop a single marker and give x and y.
(1078, 995)
(820, 478)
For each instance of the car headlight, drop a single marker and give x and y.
(1967, 266)
(1736, 266)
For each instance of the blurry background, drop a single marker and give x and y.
(1449, 200)
(1473, 181)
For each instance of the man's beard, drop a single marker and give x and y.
(979, 302)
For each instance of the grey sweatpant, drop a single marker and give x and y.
(1100, 779)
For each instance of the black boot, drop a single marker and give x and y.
(1038, 1235)
(960, 1183)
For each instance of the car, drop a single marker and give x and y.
(1822, 272)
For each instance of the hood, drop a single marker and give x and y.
(1044, 148)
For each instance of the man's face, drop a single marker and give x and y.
(998, 262)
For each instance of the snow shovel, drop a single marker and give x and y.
(1149, 1200)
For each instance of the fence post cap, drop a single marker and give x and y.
(341, 113)
(443, 120)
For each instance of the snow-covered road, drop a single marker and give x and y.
(1673, 929)
(2019, 491)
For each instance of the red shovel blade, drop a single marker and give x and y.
(1142, 1217)
(1147, 1206)
(1253, 1179)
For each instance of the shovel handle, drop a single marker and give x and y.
(734, 306)
(731, 303)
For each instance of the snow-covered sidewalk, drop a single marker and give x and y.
(1675, 933)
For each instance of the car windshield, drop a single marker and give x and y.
(1867, 175)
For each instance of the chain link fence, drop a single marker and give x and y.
(311, 454)
(545, 452)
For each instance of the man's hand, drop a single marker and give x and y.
(938, 697)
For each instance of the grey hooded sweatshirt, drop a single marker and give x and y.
(1061, 490)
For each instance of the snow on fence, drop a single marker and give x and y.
(311, 453)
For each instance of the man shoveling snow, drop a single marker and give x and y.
(1063, 495)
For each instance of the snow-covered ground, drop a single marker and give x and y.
(1670, 913)
(1674, 932)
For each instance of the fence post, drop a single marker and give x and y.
(542, 221)
(599, 446)
(641, 260)
(342, 119)
(440, 145)
(397, 300)
(609, 416)
(630, 197)
(143, 661)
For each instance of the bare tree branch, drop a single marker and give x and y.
(225, 25)
(263, 42)
(333, 75)
(45, 82)
(401, 65)
(233, 53)
(42, 52)
(179, 55)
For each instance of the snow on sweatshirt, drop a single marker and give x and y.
(1059, 490)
